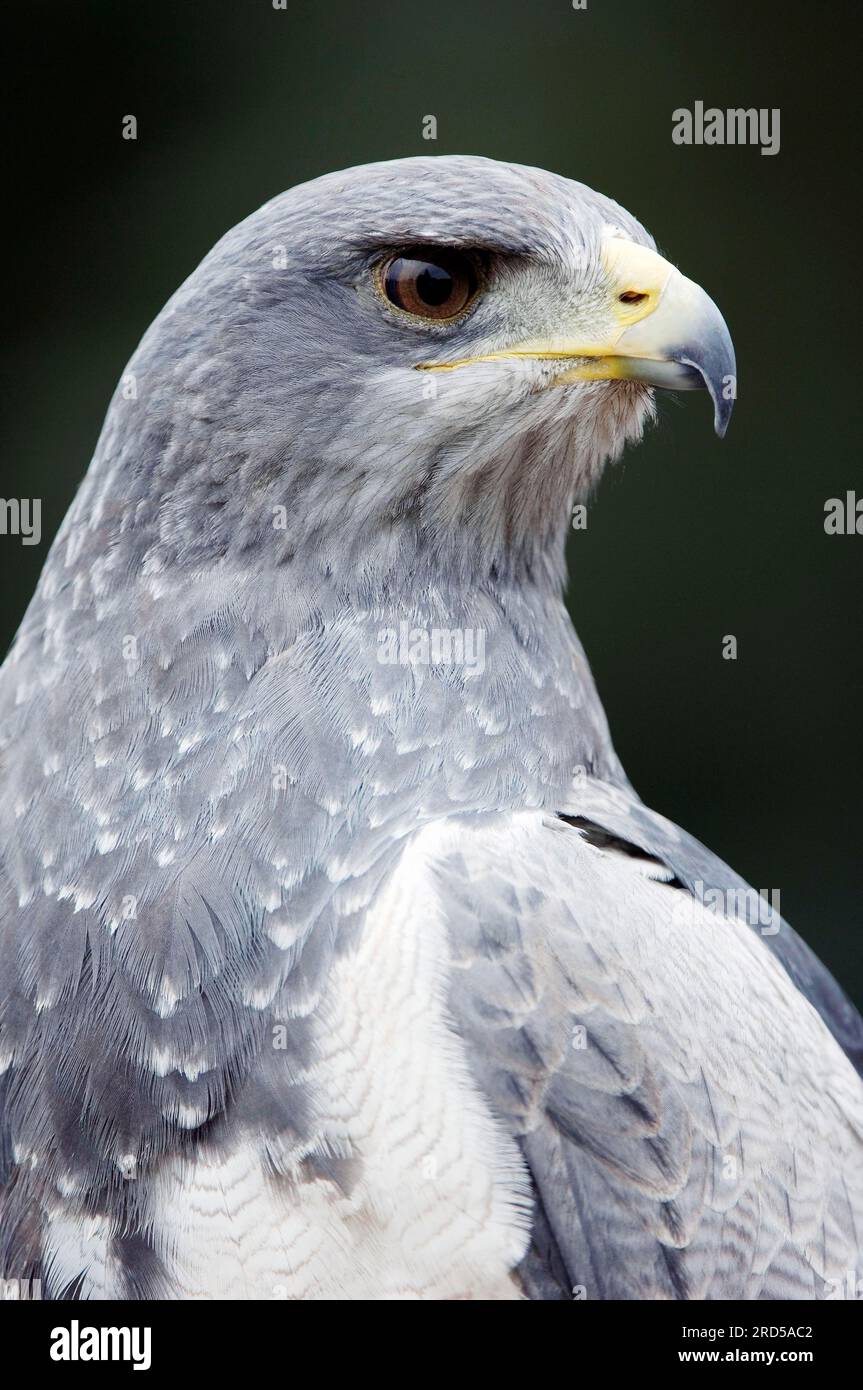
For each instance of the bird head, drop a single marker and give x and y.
(428, 356)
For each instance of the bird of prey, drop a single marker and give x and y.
(338, 957)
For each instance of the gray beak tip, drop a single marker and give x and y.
(721, 415)
(716, 365)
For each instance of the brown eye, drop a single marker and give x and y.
(429, 282)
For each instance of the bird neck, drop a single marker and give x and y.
(476, 695)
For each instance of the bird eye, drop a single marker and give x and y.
(429, 282)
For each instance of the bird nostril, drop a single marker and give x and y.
(632, 296)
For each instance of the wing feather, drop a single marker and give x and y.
(691, 1128)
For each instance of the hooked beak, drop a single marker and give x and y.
(657, 327)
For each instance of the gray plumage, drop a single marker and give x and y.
(209, 778)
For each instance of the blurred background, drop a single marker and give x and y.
(689, 540)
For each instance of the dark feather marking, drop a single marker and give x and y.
(71, 1292)
(342, 1172)
(606, 840)
(543, 1274)
(144, 1274)
(673, 1261)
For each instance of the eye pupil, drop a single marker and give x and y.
(434, 285)
(430, 282)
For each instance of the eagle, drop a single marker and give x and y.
(339, 959)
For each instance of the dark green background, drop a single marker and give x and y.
(691, 539)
